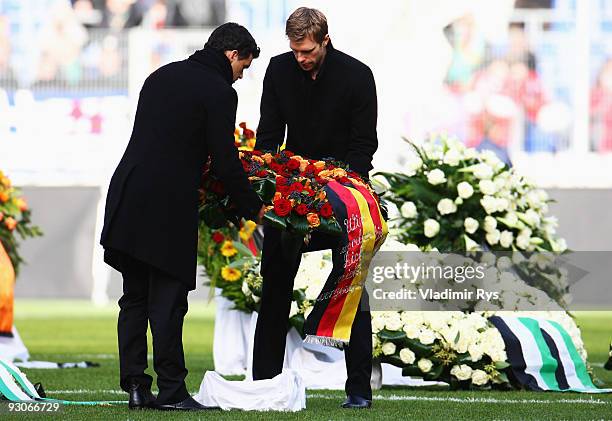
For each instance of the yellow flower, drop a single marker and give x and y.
(230, 274)
(251, 143)
(267, 157)
(338, 173)
(228, 249)
(247, 230)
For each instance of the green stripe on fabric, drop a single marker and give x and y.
(549, 363)
(581, 370)
(5, 388)
(23, 382)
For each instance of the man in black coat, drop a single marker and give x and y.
(327, 102)
(186, 113)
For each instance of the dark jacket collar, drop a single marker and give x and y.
(215, 60)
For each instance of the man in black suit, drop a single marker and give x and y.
(186, 113)
(327, 102)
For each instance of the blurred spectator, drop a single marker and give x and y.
(5, 45)
(195, 13)
(122, 14)
(156, 16)
(468, 52)
(601, 109)
(61, 40)
(88, 12)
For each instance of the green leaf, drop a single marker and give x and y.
(418, 348)
(500, 365)
(238, 264)
(298, 223)
(213, 215)
(412, 370)
(272, 219)
(265, 189)
(434, 373)
(388, 335)
(330, 226)
(242, 249)
(299, 295)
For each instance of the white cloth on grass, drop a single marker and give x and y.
(285, 392)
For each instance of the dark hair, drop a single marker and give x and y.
(231, 36)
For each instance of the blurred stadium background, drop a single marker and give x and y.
(530, 79)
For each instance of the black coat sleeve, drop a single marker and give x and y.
(271, 128)
(220, 125)
(363, 140)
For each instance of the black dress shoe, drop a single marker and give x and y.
(356, 402)
(140, 397)
(188, 404)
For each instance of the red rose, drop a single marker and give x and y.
(282, 207)
(302, 209)
(256, 152)
(249, 134)
(326, 210)
(218, 237)
(309, 191)
(242, 125)
(277, 168)
(261, 173)
(288, 153)
(281, 181)
(283, 189)
(246, 166)
(297, 186)
(310, 169)
(293, 164)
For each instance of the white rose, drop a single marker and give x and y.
(560, 245)
(312, 292)
(407, 356)
(465, 190)
(483, 171)
(462, 372)
(493, 237)
(431, 228)
(470, 225)
(480, 377)
(414, 165)
(470, 153)
(245, 289)
(375, 341)
(490, 223)
(255, 298)
(446, 206)
(436, 177)
(408, 210)
(427, 336)
(412, 330)
(388, 348)
(504, 262)
(394, 323)
(511, 219)
(505, 239)
(425, 365)
(523, 240)
(489, 204)
(452, 157)
(378, 323)
(487, 187)
(470, 245)
(476, 352)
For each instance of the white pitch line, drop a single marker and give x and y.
(399, 398)
(473, 400)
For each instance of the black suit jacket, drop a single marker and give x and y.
(331, 117)
(186, 112)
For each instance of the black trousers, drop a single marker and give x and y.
(280, 263)
(153, 297)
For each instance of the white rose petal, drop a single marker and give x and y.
(506, 238)
(436, 177)
(480, 377)
(462, 372)
(407, 356)
(294, 309)
(470, 225)
(452, 157)
(489, 204)
(470, 245)
(425, 365)
(427, 336)
(490, 223)
(431, 228)
(408, 210)
(483, 171)
(446, 207)
(487, 187)
(465, 190)
(493, 237)
(388, 348)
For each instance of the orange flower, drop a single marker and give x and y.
(267, 157)
(319, 165)
(228, 249)
(5, 180)
(257, 159)
(303, 165)
(322, 195)
(313, 220)
(277, 196)
(1, 216)
(338, 173)
(21, 204)
(10, 223)
(251, 143)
